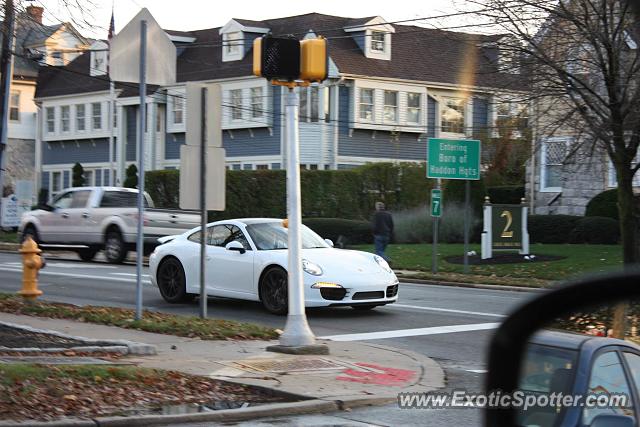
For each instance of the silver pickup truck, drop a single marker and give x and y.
(88, 219)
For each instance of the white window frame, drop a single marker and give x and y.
(50, 120)
(65, 122)
(95, 116)
(52, 180)
(89, 176)
(177, 110)
(372, 105)
(309, 108)
(417, 109)
(14, 106)
(233, 46)
(257, 102)
(443, 104)
(543, 162)
(81, 118)
(395, 107)
(236, 105)
(375, 43)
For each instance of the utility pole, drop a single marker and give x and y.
(6, 65)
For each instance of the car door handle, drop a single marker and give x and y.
(85, 215)
(65, 215)
(208, 258)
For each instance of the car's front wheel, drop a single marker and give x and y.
(30, 231)
(115, 249)
(172, 282)
(274, 291)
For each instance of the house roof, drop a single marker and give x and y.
(418, 53)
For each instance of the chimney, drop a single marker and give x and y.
(35, 13)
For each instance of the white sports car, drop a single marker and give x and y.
(247, 259)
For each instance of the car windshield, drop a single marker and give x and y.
(545, 370)
(269, 236)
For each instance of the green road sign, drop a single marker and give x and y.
(436, 202)
(453, 158)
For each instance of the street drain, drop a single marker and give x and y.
(292, 365)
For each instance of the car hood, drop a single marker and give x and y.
(334, 261)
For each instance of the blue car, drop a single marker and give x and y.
(588, 369)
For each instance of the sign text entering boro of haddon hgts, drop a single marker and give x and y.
(453, 158)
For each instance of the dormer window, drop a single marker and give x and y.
(233, 43)
(377, 41)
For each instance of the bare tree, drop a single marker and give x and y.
(582, 61)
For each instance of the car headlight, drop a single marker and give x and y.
(311, 268)
(382, 263)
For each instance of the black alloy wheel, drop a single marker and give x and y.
(172, 282)
(274, 291)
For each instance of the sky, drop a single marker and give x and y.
(198, 14)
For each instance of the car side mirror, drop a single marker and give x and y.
(329, 242)
(46, 207)
(235, 246)
(509, 344)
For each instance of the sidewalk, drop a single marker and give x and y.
(353, 374)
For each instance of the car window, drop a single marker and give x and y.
(80, 198)
(121, 199)
(195, 237)
(63, 201)
(608, 378)
(273, 235)
(633, 360)
(221, 235)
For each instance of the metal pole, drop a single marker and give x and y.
(203, 202)
(296, 332)
(141, 137)
(436, 220)
(6, 64)
(467, 191)
(111, 117)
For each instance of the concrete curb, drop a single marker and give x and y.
(428, 282)
(9, 247)
(129, 347)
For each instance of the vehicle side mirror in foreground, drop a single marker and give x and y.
(329, 242)
(235, 246)
(510, 349)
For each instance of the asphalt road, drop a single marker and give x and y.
(421, 321)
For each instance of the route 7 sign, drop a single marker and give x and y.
(436, 202)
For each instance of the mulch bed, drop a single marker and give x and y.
(19, 338)
(511, 258)
(61, 394)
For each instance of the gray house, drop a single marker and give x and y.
(390, 88)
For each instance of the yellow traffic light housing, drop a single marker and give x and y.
(257, 57)
(313, 60)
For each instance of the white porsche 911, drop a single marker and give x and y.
(247, 259)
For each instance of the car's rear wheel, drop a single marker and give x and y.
(274, 291)
(30, 231)
(172, 282)
(87, 254)
(364, 307)
(115, 249)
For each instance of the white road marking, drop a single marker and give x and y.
(412, 332)
(477, 371)
(445, 310)
(84, 276)
(130, 274)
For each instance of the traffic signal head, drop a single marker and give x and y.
(279, 58)
(313, 59)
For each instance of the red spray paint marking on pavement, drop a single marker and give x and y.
(389, 376)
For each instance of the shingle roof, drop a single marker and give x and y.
(417, 53)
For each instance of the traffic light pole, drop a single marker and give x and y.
(297, 337)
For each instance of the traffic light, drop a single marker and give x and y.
(288, 59)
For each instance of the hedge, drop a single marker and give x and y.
(454, 192)
(349, 194)
(506, 194)
(604, 204)
(341, 231)
(596, 230)
(551, 228)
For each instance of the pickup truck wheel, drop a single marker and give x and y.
(87, 254)
(274, 291)
(30, 230)
(114, 248)
(172, 282)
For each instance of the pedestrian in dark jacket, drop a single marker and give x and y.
(382, 225)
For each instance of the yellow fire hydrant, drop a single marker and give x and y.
(31, 264)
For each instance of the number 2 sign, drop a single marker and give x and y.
(505, 229)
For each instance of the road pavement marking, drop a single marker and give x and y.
(84, 276)
(477, 371)
(130, 274)
(446, 310)
(412, 332)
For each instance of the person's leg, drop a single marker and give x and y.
(379, 246)
(384, 243)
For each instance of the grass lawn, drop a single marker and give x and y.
(8, 236)
(162, 323)
(580, 259)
